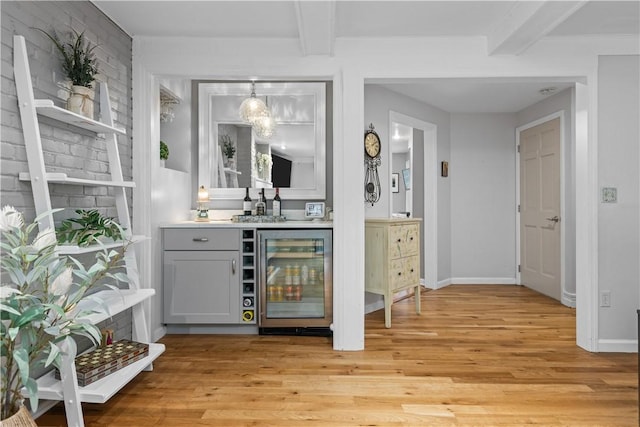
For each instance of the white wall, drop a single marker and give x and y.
(618, 232)
(562, 101)
(378, 102)
(482, 175)
(428, 58)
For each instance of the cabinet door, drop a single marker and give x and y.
(202, 287)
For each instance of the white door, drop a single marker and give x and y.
(540, 208)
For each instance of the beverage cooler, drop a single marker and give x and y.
(295, 278)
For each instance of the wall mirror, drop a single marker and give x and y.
(232, 155)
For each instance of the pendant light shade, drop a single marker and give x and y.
(265, 124)
(252, 108)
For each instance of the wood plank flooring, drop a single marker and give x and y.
(477, 356)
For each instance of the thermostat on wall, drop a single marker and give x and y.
(314, 210)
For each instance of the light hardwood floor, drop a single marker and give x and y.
(477, 356)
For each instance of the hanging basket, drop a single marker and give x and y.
(22, 418)
(81, 101)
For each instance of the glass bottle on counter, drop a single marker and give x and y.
(246, 203)
(277, 211)
(261, 205)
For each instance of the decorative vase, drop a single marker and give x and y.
(81, 101)
(230, 163)
(22, 418)
(162, 163)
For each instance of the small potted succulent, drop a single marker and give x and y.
(164, 153)
(79, 64)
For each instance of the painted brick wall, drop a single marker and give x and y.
(78, 153)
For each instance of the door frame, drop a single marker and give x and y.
(430, 221)
(567, 298)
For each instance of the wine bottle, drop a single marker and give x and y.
(276, 203)
(246, 204)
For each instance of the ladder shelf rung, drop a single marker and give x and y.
(63, 178)
(47, 108)
(75, 250)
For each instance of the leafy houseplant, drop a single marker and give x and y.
(164, 151)
(228, 149)
(88, 228)
(39, 307)
(79, 64)
(263, 164)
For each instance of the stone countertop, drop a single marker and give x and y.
(219, 223)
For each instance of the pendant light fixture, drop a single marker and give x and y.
(253, 107)
(265, 125)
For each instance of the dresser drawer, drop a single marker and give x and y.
(404, 240)
(200, 239)
(404, 272)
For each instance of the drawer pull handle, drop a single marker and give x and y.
(200, 239)
(233, 266)
(399, 240)
(411, 238)
(399, 274)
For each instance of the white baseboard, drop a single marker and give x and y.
(483, 280)
(442, 283)
(617, 346)
(569, 299)
(158, 333)
(374, 306)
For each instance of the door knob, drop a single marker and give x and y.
(554, 219)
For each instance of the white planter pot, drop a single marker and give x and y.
(162, 163)
(81, 101)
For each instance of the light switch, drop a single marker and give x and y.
(609, 195)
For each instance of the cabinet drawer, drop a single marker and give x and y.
(404, 272)
(194, 239)
(404, 240)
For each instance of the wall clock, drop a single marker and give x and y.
(372, 148)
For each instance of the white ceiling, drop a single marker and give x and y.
(509, 27)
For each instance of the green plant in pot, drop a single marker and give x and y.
(79, 64)
(89, 228)
(228, 149)
(44, 300)
(164, 152)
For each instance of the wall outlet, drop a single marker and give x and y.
(605, 299)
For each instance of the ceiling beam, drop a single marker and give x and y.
(528, 22)
(316, 26)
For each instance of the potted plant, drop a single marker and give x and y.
(39, 305)
(228, 149)
(88, 228)
(79, 64)
(263, 164)
(164, 153)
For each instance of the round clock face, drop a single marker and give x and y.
(371, 144)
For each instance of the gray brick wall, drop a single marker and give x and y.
(78, 153)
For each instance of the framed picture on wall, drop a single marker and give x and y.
(395, 184)
(445, 169)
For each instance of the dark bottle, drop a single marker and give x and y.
(277, 211)
(246, 204)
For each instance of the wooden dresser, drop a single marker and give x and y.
(392, 259)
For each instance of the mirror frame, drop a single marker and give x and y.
(208, 136)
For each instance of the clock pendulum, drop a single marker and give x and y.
(372, 159)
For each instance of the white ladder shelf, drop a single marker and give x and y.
(67, 388)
